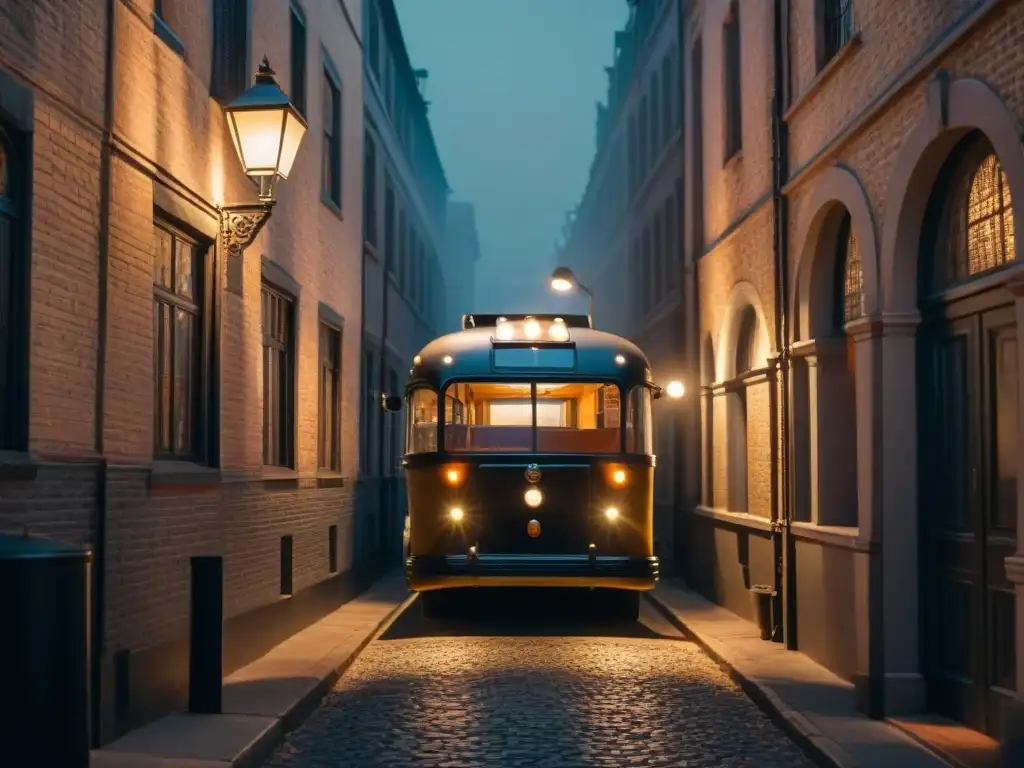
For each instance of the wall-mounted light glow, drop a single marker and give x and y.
(456, 514)
(620, 360)
(533, 497)
(675, 389)
(561, 284)
(447, 359)
(612, 514)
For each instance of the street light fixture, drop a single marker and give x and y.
(266, 130)
(563, 281)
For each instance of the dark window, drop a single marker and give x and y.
(644, 146)
(837, 26)
(373, 44)
(646, 272)
(672, 255)
(230, 72)
(178, 291)
(746, 342)
(332, 140)
(403, 258)
(298, 94)
(421, 283)
(330, 398)
(13, 374)
(697, 68)
(733, 95)
(371, 408)
(634, 156)
(287, 564)
(668, 98)
(278, 378)
(332, 548)
(369, 190)
(389, 227)
(656, 108)
(659, 259)
(158, 7)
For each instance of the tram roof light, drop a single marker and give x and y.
(532, 329)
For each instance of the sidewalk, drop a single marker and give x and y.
(816, 706)
(267, 698)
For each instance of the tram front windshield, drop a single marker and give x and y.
(505, 417)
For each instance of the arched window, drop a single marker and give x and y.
(849, 300)
(971, 217)
(746, 342)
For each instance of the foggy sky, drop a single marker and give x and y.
(513, 86)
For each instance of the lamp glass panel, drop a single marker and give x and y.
(294, 130)
(259, 136)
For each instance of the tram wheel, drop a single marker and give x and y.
(623, 605)
(438, 604)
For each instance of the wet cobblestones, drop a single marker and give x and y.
(426, 695)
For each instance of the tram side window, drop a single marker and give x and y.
(421, 436)
(639, 422)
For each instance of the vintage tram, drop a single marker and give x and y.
(529, 461)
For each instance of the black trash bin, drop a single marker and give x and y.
(761, 595)
(44, 645)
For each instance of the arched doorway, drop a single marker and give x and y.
(967, 405)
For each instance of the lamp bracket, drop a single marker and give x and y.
(240, 224)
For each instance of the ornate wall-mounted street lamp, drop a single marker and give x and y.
(266, 130)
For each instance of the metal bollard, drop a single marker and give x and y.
(206, 636)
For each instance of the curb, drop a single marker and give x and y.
(264, 745)
(818, 747)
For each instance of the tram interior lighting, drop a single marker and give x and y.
(533, 497)
(612, 514)
(456, 514)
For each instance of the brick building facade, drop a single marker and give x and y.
(161, 398)
(851, 233)
(406, 194)
(849, 306)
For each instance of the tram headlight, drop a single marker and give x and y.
(612, 514)
(456, 514)
(533, 497)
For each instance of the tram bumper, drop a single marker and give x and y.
(426, 573)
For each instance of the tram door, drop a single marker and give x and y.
(968, 510)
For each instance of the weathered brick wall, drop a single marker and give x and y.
(55, 55)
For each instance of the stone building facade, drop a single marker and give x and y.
(624, 240)
(163, 399)
(406, 197)
(462, 254)
(850, 252)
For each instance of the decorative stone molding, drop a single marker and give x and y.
(827, 346)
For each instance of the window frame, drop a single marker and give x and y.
(370, 190)
(837, 28)
(286, 400)
(330, 338)
(299, 65)
(14, 344)
(732, 83)
(331, 182)
(202, 418)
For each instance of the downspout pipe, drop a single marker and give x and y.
(99, 602)
(783, 546)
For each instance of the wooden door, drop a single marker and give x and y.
(968, 514)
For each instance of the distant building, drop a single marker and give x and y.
(461, 255)
(405, 205)
(624, 238)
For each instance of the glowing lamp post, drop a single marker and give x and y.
(563, 281)
(266, 130)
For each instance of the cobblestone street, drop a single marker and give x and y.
(546, 687)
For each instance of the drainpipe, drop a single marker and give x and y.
(782, 540)
(98, 640)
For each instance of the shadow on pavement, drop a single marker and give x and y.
(508, 612)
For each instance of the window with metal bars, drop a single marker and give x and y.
(970, 218)
(329, 448)
(733, 92)
(178, 302)
(849, 301)
(837, 27)
(278, 378)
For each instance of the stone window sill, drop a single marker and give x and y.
(17, 465)
(166, 34)
(328, 479)
(182, 474)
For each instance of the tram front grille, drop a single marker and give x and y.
(564, 514)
